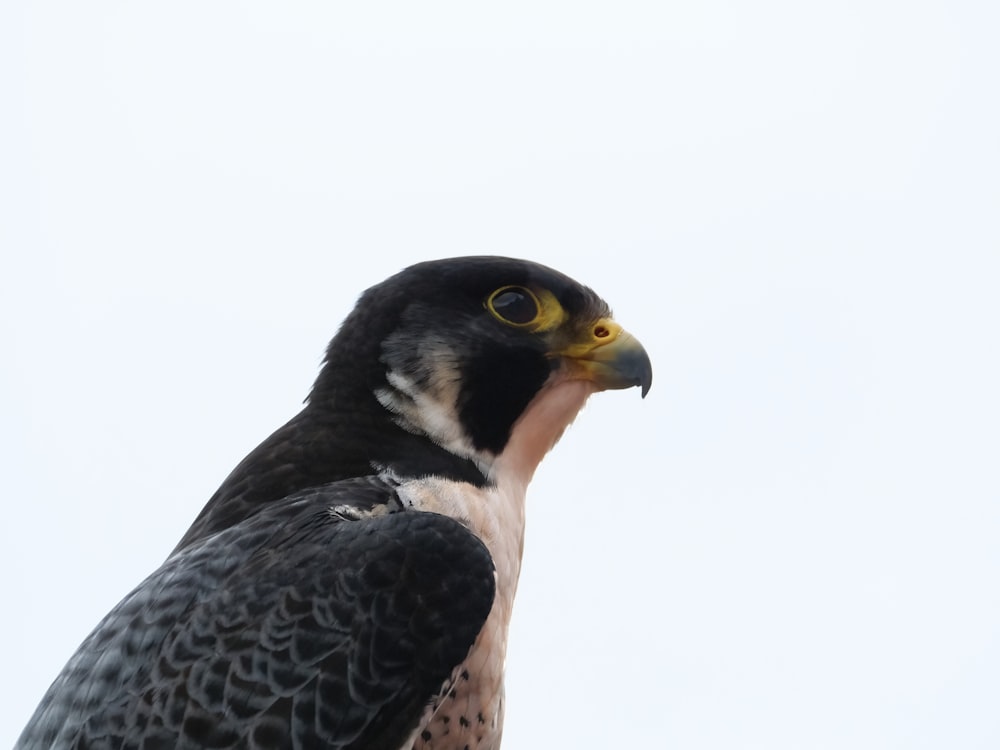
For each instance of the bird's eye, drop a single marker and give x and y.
(514, 305)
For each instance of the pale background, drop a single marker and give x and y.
(792, 543)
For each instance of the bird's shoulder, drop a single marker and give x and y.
(327, 617)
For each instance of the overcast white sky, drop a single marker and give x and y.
(794, 542)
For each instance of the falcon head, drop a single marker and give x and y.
(461, 351)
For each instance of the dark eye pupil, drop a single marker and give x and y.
(516, 307)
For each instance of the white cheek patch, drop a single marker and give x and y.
(430, 410)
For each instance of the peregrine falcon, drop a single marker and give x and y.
(350, 584)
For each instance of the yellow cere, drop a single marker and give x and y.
(605, 331)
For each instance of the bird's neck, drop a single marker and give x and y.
(323, 444)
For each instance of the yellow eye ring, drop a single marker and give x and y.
(516, 306)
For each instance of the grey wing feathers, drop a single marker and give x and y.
(293, 629)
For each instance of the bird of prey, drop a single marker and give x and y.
(350, 584)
